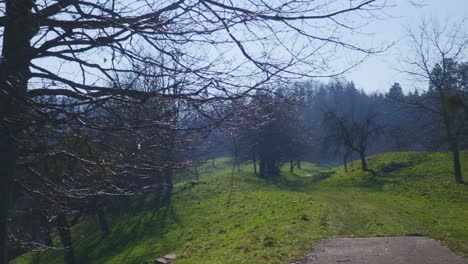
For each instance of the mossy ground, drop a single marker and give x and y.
(258, 221)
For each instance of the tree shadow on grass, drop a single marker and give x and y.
(302, 183)
(164, 210)
(376, 180)
(152, 221)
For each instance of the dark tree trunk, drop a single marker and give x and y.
(291, 166)
(213, 163)
(8, 152)
(170, 159)
(197, 176)
(345, 162)
(363, 161)
(36, 221)
(168, 179)
(46, 233)
(269, 168)
(103, 222)
(262, 168)
(14, 75)
(298, 162)
(456, 162)
(238, 166)
(254, 158)
(66, 239)
(274, 169)
(452, 139)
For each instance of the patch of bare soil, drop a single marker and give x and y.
(381, 250)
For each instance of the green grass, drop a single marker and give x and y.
(257, 221)
(410, 193)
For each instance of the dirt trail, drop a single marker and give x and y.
(381, 250)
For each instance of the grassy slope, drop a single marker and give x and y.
(412, 193)
(263, 222)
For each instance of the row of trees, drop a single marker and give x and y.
(350, 122)
(97, 98)
(336, 121)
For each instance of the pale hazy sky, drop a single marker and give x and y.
(376, 74)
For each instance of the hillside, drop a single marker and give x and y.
(256, 221)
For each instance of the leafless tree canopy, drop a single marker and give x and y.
(86, 73)
(438, 58)
(212, 43)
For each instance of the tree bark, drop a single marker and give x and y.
(8, 154)
(268, 168)
(35, 220)
(345, 162)
(271, 169)
(66, 239)
(363, 161)
(262, 168)
(291, 166)
(168, 179)
(452, 138)
(456, 162)
(298, 162)
(103, 222)
(254, 158)
(46, 233)
(14, 76)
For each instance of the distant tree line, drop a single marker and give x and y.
(336, 122)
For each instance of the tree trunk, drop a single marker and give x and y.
(8, 152)
(271, 169)
(254, 163)
(168, 179)
(36, 221)
(345, 162)
(170, 159)
(213, 163)
(46, 233)
(14, 76)
(456, 162)
(197, 176)
(363, 161)
(291, 166)
(452, 138)
(298, 163)
(103, 222)
(262, 168)
(66, 239)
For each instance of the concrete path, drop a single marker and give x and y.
(381, 250)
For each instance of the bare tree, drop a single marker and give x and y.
(438, 53)
(353, 135)
(75, 49)
(352, 123)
